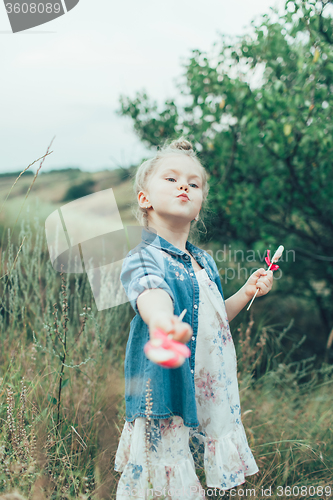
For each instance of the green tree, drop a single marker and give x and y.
(260, 115)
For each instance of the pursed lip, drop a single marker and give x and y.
(183, 195)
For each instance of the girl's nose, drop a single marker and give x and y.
(183, 186)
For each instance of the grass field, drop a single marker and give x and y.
(61, 376)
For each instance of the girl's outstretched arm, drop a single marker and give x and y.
(259, 279)
(156, 309)
(152, 302)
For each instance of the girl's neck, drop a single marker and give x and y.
(176, 239)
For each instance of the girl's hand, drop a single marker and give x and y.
(261, 279)
(181, 332)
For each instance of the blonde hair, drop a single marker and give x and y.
(145, 171)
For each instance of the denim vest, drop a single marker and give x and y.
(156, 263)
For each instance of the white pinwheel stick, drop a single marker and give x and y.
(182, 314)
(275, 258)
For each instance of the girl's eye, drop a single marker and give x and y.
(175, 179)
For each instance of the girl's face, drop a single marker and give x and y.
(175, 175)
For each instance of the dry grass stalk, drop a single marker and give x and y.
(12, 496)
(82, 325)
(260, 345)
(8, 273)
(245, 343)
(63, 341)
(249, 358)
(33, 181)
(149, 404)
(12, 437)
(41, 158)
(22, 435)
(330, 340)
(22, 458)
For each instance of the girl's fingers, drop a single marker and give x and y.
(183, 333)
(261, 272)
(168, 325)
(173, 327)
(264, 285)
(263, 281)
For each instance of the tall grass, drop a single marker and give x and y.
(287, 414)
(61, 389)
(61, 384)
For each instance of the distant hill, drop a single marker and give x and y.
(62, 170)
(16, 174)
(59, 187)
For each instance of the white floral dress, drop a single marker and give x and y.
(219, 444)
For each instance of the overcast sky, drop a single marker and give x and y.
(64, 78)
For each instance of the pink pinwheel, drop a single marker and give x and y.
(164, 351)
(272, 267)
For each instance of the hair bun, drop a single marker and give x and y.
(181, 143)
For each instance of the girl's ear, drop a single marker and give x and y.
(142, 199)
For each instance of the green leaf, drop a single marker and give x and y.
(64, 383)
(53, 400)
(287, 129)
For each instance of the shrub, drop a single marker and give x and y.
(78, 190)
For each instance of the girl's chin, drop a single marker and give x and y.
(177, 216)
(178, 219)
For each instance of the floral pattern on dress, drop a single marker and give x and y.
(136, 470)
(171, 460)
(219, 444)
(169, 426)
(153, 434)
(205, 387)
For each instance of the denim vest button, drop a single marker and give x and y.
(193, 338)
(192, 371)
(191, 274)
(195, 306)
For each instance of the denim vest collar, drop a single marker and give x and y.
(152, 238)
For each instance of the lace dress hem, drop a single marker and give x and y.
(227, 461)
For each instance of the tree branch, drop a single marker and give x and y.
(290, 228)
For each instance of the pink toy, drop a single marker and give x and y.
(164, 351)
(271, 266)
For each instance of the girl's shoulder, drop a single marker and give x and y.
(144, 259)
(143, 252)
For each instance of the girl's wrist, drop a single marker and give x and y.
(156, 318)
(248, 294)
(244, 294)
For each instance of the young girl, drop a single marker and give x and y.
(195, 406)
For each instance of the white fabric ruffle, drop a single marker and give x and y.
(227, 460)
(172, 470)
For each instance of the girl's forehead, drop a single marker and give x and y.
(179, 163)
